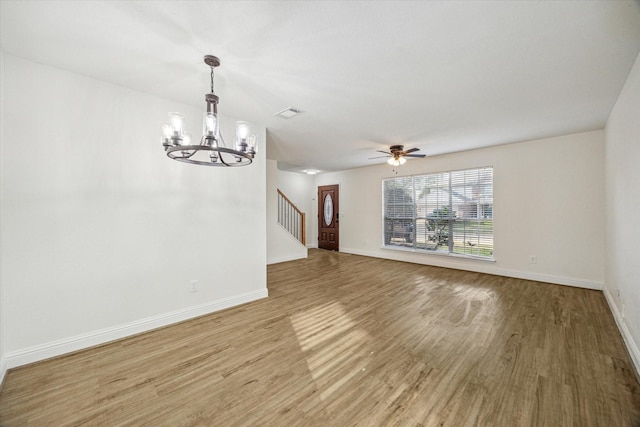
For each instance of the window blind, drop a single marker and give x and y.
(447, 212)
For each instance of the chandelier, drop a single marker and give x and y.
(212, 150)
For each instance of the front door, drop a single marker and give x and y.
(328, 231)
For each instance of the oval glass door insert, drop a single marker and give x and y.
(328, 209)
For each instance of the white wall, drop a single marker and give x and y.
(281, 245)
(300, 189)
(102, 234)
(548, 202)
(622, 166)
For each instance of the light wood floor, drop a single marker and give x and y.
(345, 340)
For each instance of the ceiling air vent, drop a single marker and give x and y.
(289, 112)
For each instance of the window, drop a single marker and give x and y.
(446, 212)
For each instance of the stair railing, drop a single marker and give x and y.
(291, 218)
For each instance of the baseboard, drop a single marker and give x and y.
(312, 245)
(480, 266)
(548, 278)
(3, 371)
(83, 341)
(286, 258)
(632, 347)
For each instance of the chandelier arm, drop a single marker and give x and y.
(222, 159)
(221, 139)
(190, 155)
(186, 148)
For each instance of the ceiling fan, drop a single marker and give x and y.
(397, 154)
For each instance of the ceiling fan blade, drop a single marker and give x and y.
(378, 157)
(411, 150)
(385, 152)
(415, 155)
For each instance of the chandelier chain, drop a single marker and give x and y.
(211, 79)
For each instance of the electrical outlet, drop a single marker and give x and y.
(533, 259)
(194, 286)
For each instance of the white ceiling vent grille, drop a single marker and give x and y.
(289, 112)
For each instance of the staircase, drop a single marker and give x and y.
(291, 218)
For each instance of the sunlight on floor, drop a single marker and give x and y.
(320, 323)
(336, 351)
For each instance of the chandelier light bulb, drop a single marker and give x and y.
(251, 142)
(402, 160)
(210, 124)
(242, 134)
(167, 131)
(176, 120)
(242, 130)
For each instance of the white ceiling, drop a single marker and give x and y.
(440, 76)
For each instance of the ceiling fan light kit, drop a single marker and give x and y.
(397, 161)
(212, 150)
(397, 155)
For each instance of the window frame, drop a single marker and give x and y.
(392, 224)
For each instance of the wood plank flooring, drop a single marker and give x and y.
(345, 340)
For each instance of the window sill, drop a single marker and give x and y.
(443, 254)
